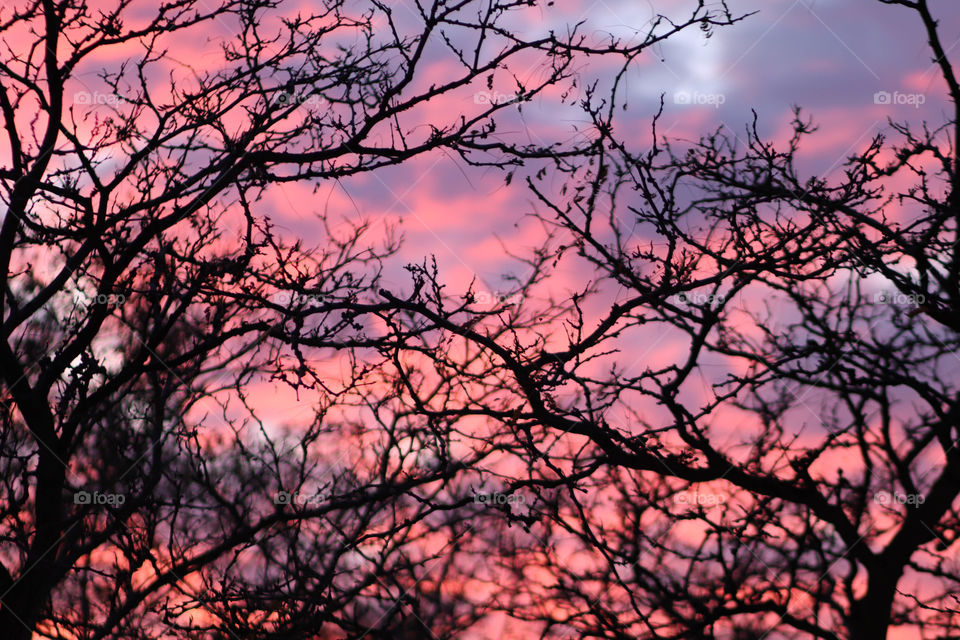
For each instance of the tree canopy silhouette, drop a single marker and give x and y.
(146, 294)
(791, 472)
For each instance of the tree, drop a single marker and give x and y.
(794, 471)
(146, 295)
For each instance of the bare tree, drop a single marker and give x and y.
(792, 471)
(146, 295)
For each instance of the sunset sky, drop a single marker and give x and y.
(200, 199)
(834, 59)
(830, 57)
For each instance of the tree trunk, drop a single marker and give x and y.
(870, 616)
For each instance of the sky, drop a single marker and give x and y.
(850, 64)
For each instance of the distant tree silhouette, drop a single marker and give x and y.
(146, 295)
